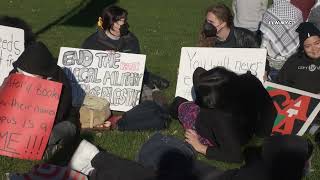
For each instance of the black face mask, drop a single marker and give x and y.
(209, 30)
(124, 29)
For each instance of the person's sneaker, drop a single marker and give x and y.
(81, 159)
(51, 151)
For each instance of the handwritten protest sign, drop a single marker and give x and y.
(114, 76)
(234, 59)
(11, 47)
(28, 108)
(296, 109)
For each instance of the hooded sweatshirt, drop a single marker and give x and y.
(38, 60)
(301, 72)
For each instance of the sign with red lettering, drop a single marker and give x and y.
(28, 107)
(114, 76)
(296, 109)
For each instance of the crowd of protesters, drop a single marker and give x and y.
(228, 111)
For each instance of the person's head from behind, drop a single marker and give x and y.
(114, 19)
(36, 61)
(214, 88)
(174, 164)
(309, 36)
(15, 22)
(218, 18)
(286, 156)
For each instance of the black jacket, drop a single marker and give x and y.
(239, 38)
(100, 41)
(301, 72)
(249, 112)
(245, 38)
(37, 59)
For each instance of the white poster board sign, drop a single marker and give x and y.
(239, 60)
(114, 76)
(11, 47)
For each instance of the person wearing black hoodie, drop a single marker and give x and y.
(302, 70)
(37, 60)
(232, 108)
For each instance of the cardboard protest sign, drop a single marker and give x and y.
(296, 109)
(116, 77)
(28, 107)
(11, 47)
(239, 60)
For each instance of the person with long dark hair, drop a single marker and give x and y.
(228, 110)
(113, 33)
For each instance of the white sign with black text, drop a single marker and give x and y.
(239, 60)
(11, 47)
(115, 76)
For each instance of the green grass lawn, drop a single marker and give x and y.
(162, 26)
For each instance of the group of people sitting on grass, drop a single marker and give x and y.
(228, 112)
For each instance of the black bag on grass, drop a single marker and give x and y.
(145, 116)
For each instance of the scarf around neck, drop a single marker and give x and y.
(279, 25)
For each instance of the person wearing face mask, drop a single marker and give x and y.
(302, 70)
(113, 33)
(218, 30)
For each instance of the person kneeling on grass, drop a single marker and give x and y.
(228, 110)
(37, 61)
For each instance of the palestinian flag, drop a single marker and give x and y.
(296, 109)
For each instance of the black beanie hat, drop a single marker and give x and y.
(37, 59)
(306, 30)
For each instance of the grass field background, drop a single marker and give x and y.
(162, 27)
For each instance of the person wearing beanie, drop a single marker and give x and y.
(302, 70)
(37, 61)
(279, 37)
